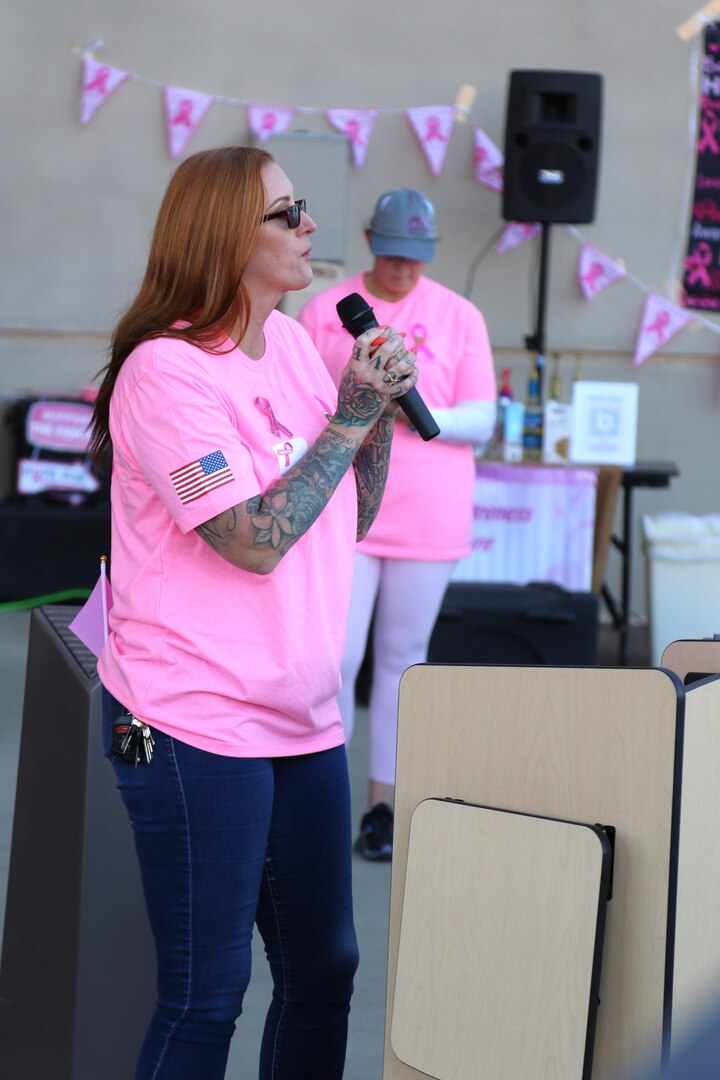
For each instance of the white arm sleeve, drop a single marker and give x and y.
(466, 422)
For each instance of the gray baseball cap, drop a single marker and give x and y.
(403, 224)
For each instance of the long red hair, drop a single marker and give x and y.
(207, 227)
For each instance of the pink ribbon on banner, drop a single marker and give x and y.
(488, 162)
(357, 124)
(596, 271)
(661, 320)
(515, 234)
(184, 111)
(277, 428)
(268, 120)
(98, 83)
(697, 264)
(432, 125)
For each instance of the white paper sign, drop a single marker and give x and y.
(604, 429)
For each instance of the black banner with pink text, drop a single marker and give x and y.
(701, 281)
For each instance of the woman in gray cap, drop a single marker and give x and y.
(423, 528)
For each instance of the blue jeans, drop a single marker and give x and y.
(224, 843)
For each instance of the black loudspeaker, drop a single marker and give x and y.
(552, 146)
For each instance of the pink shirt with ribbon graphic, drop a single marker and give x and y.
(232, 662)
(426, 511)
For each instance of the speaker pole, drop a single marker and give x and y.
(536, 342)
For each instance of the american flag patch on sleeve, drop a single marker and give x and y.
(198, 477)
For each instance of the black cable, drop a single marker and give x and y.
(484, 252)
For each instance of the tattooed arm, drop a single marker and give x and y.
(254, 535)
(371, 468)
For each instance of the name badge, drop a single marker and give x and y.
(289, 451)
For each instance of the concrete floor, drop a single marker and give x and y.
(371, 881)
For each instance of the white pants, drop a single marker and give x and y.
(409, 595)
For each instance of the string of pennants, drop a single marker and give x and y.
(661, 319)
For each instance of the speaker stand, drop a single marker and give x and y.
(536, 342)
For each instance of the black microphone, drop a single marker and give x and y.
(357, 316)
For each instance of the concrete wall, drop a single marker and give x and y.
(79, 201)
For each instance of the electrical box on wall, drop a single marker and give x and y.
(318, 166)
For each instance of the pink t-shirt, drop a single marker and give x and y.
(426, 512)
(236, 663)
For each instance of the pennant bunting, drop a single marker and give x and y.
(433, 125)
(184, 111)
(489, 162)
(90, 623)
(661, 321)
(357, 124)
(515, 234)
(597, 271)
(98, 83)
(267, 120)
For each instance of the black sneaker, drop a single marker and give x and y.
(376, 834)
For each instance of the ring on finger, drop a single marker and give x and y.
(391, 377)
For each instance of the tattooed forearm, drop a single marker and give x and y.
(371, 469)
(219, 530)
(289, 508)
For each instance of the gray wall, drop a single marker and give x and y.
(79, 201)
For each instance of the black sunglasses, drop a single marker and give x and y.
(290, 213)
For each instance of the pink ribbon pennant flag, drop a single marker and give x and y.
(184, 111)
(489, 162)
(515, 234)
(357, 124)
(268, 120)
(596, 271)
(90, 623)
(433, 126)
(661, 321)
(98, 83)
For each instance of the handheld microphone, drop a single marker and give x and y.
(357, 316)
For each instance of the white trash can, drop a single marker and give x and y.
(683, 576)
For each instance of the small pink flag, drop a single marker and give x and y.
(433, 126)
(267, 120)
(489, 162)
(515, 234)
(184, 111)
(357, 124)
(91, 622)
(98, 83)
(596, 271)
(661, 321)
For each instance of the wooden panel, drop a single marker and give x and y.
(586, 744)
(697, 934)
(499, 924)
(684, 657)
